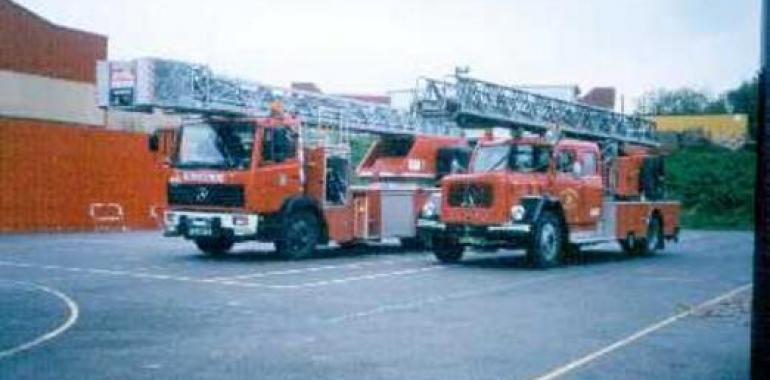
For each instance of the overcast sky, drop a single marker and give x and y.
(374, 46)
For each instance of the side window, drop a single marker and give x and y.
(565, 160)
(290, 143)
(337, 180)
(278, 145)
(589, 164)
(267, 144)
(542, 159)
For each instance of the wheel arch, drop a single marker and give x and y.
(535, 206)
(549, 204)
(657, 213)
(305, 203)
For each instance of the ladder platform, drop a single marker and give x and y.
(145, 84)
(476, 103)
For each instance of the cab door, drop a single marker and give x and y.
(590, 188)
(567, 184)
(339, 207)
(579, 185)
(277, 175)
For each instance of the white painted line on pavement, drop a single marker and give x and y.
(449, 297)
(112, 272)
(558, 372)
(154, 276)
(370, 276)
(318, 269)
(73, 314)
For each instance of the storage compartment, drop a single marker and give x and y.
(397, 213)
(626, 176)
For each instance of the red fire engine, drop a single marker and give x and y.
(283, 176)
(543, 190)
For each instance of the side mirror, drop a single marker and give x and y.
(153, 142)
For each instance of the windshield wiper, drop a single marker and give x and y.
(497, 164)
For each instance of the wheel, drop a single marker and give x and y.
(653, 240)
(447, 250)
(300, 234)
(214, 246)
(628, 245)
(546, 247)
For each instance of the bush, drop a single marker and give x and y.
(715, 186)
(359, 145)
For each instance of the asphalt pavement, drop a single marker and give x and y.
(139, 306)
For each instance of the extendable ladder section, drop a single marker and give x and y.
(179, 87)
(475, 103)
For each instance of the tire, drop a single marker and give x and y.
(447, 250)
(214, 246)
(547, 245)
(653, 240)
(628, 246)
(299, 235)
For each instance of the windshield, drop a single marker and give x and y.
(490, 158)
(517, 157)
(225, 145)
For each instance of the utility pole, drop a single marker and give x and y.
(622, 104)
(760, 317)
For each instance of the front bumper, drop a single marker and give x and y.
(195, 224)
(503, 234)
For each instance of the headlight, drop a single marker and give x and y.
(429, 209)
(517, 213)
(240, 220)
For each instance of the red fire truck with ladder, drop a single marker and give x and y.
(257, 162)
(570, 175)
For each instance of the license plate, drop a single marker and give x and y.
(199, 231)
(199, 227)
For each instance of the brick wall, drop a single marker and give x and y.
(32, 45)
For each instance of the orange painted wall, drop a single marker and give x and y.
(51, 174)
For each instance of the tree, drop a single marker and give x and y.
(681, 101)
(688, 101)
(744, 99)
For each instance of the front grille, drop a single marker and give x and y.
(470, 195)
(205, 195)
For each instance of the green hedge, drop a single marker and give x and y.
(715, 186)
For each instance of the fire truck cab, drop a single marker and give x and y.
(239, 179)
(550, 198)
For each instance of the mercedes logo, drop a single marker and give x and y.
(201, 194)
(471, 194)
